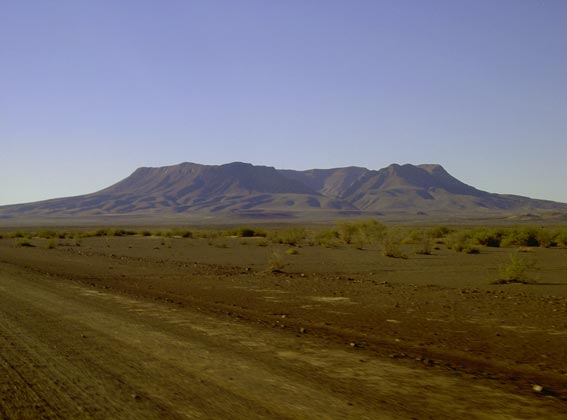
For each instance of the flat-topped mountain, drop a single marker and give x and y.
(241, 189)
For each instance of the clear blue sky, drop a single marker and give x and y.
(91, 90)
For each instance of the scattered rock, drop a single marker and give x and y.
(303, 330)
(398, 355)
(537, 388)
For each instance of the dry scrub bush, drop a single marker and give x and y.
(439, 232)
(460, 241)
(516, 270)
(521, 236)
(276, 261)
(391, 245)
(24, 243)
(487, 237)
(561, 237)
(328, 238)
(361, 233)
(20, 234)
(425, 244)
(246, 232)
(290, 236)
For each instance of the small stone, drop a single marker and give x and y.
(136, 397)
(302, 330)
(537, 388)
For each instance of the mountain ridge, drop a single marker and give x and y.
(242, 189)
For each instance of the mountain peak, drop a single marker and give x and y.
(240, 188)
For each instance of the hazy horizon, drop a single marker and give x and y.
(93, 90)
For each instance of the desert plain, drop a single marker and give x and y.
(340, 322)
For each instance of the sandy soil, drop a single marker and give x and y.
(182, 328)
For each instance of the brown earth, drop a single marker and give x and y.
(144, 327)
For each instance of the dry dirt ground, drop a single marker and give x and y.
(151, 328)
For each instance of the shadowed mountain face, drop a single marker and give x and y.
(264, 192)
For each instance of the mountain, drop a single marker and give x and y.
(238, 189)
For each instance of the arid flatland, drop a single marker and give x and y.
(217, 325)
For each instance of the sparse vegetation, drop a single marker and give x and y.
(289, 236)
(24, 243)
(360, 234)
(328, 238)
(425, 241)
(276, 261)
(517, 269)
(487, 237)
(391, 246)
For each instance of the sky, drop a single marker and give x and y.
(92, 90)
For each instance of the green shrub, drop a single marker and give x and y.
(347, 231)
(180, 233)
(290, 236)
(469, 249)
(46, 234)
(516, 270)
(459, 241)
(521, 236)
(359, 233)
(276, 261)
(121, 232)
(328, 238)
(371, 231)
(425, 244)
(101, 232)
(439, 232)
(561, 237)
(546, 237)
(24, 243)
(245, 232)
(487, 237)
(391, 246)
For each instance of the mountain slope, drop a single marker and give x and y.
(259, 191)
(188, 187)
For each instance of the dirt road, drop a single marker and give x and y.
(68, 351)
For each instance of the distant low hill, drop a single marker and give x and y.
(241, 190)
